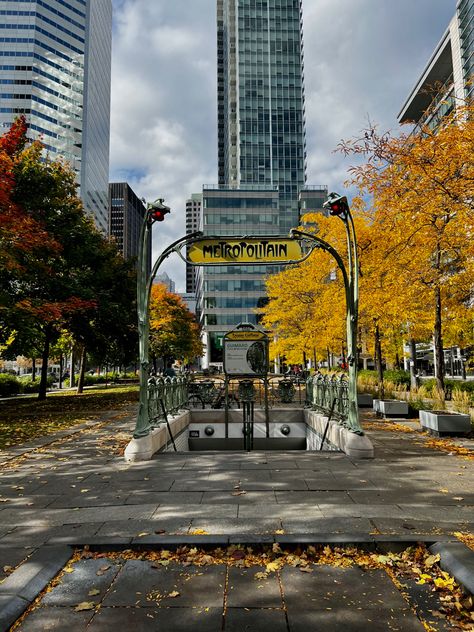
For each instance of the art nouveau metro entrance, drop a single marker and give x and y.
(328, 403)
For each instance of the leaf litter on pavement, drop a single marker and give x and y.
(415, 564)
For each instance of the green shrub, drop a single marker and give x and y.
(397, 376)
(29, 386)
(9, 385)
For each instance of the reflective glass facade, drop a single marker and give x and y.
(261, 152)
(465, 12)
(261, 131)
(55, 64)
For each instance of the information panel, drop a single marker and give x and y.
(246, 352)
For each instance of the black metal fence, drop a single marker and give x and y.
(210, 392)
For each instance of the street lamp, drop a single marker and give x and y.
(155, 212)
(339, 207)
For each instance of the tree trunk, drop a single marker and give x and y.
(44, 368)
(438, 342)
(33, 369)
(378, 360)
(397, 361)
(329, 358)
(61, 367)
(82, 371)
(72, 376)
(413, 367)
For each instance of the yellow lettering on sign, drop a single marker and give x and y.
(246, 250)
(245, 335)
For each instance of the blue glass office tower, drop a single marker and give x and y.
(55, 66)
(261, 131)
(261, 153)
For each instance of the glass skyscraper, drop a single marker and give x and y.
(261, 153)
(261, 131)
(55, 67)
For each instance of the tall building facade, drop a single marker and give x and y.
(261, 127)
(193, 224)
(55, 68)
(126, 215)
(448, 77)
(261, 154)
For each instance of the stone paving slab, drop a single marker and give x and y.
(407, 491)
(244, 590)
(140, 595)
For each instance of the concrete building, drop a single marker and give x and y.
(193, 224)
(126, 215)
(261, 153)
(447, 77)
(55, 68)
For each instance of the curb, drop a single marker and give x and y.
(21, 588)
(457, 559)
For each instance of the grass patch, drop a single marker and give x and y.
(24, 419)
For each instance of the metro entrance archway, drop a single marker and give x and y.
(200, 250)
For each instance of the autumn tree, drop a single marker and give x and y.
(422, 188)
(174, 332)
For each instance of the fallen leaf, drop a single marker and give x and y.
(174, 594)
(198, 532)
(241, 492)
(85, 605)
(280, 531)
(93, 592)
(431, 560)
(306, 569)
(141, 535)
(8, 569)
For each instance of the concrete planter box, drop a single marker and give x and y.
(390, 408)
(445, 422)
(365, 400)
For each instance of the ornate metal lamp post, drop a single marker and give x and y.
(338, 206)
(155, 212)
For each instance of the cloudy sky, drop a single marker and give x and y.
(362, 57)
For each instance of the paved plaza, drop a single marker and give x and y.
(74, 489)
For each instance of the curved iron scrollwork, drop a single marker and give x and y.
(173, 391)
(328, 393)
(286, 391)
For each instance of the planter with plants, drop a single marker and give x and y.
(445, 422)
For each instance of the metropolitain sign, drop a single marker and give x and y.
(253, 250)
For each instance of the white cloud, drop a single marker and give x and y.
(362, 57)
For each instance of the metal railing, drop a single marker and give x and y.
(210, 392)
(329, 393)
(172, 391)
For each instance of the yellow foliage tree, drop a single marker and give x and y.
(422, 186)
(174, 332)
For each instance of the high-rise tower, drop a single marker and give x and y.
(261, 131)
(261, 154)
(55, 67)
